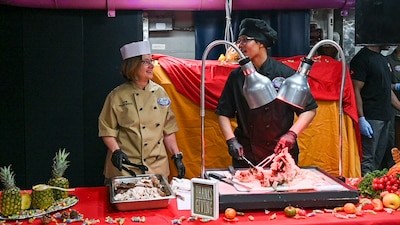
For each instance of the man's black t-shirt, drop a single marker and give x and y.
(373, 69)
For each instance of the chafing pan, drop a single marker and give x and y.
(139, 204)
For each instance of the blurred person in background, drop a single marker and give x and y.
(394, 61)
(372, 78)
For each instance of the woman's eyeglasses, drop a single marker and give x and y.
(243, 41)
(148, 62)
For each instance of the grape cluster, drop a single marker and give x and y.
(388, 183)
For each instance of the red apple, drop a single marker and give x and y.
(391, 200)
(377, 203)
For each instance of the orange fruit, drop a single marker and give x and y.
(230, 213)
(349, 208)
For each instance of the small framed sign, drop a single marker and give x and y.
(205, 198)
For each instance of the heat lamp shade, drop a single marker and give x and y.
(295, 91)
(258, 90)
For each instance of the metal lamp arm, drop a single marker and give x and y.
(340, 51)
(202, 95)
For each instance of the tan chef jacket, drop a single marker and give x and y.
(138, 119)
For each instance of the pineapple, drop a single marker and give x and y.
(26, 200)
(60, 164)
(11, 196)
(42, 199)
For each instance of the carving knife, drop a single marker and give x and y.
(228, 181)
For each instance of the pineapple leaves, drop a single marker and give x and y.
(60, 163)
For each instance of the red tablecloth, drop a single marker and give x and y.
(94, 204)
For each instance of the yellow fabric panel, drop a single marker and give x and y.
(319, 143)
(189, 135)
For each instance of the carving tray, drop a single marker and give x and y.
(327, 192)
(139, 204)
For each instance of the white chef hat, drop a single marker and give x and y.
(135, 49)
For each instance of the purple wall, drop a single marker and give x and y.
(196, 5)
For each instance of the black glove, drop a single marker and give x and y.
(179, 165)
(235, 148)
(287, 140)
(118, 158)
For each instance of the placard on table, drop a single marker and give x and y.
(205, 198)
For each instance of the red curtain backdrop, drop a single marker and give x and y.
(324, 79)
(319, 143)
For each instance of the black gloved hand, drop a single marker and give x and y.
(235, 148)
(118, 157)
(287, 140)
(179, 165)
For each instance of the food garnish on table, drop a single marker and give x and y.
(17, 204)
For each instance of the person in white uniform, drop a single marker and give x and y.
(136, 122)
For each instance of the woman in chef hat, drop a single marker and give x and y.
(267, 129)
(137, 123)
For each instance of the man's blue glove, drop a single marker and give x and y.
(365, 127)
(397, 86)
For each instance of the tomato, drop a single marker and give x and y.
(290, 211)
(302, 212)
(230, 213)
(393, 179)
(385, 179)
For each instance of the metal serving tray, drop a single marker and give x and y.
(332, 193)
(139, 204)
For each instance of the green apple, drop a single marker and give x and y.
(290, 211)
